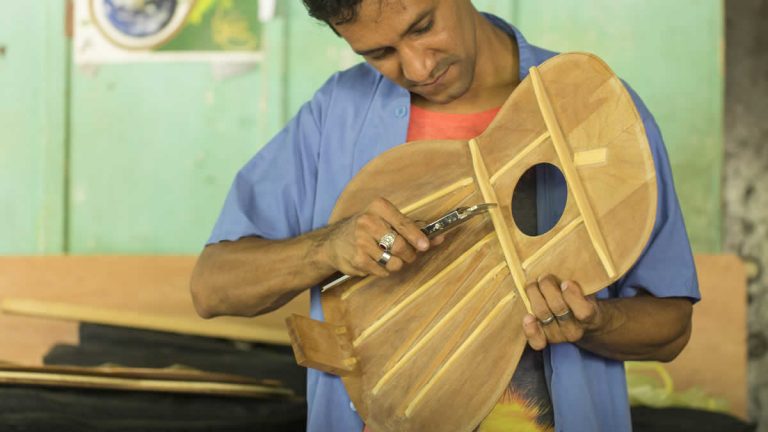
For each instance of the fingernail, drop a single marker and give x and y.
(563, 286)
(529, 319)
(422, 244)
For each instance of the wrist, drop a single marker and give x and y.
(608, 318)
(321, 252)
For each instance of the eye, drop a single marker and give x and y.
(380, 54)
(424, 29)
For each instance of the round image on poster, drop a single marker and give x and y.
(139, 24)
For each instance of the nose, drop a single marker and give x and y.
(416, 64)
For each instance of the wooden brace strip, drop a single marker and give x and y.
(419, 291)
(552, 242)
(515, 160)
(437, 195)
(457, 309)
(591, 157)
(492, 316)
(500, 227)
(571, 175)
(360, 284)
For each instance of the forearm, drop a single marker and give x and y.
(640, 328)
(252, 275)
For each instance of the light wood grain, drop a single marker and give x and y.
(149, 287)
(141, 379)
(437, 342)
(575, 186)
(184, 324)
(321, 345)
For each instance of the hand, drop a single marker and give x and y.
(561, 313)
(352, 244)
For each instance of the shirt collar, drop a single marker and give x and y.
(525, 50)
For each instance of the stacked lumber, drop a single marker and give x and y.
(114, 343)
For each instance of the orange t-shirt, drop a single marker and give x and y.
(430, 125)
(525, 404)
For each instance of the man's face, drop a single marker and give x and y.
(426, 46)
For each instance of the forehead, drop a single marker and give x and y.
(376, 11)
(377, 21)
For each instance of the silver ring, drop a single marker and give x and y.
(548, 320)
(387, 241)
(384, 259)
(565, 316)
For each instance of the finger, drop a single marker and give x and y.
(403, 250)
(404, 226)
(570, 329)
(550, 289)
(393, 264)
(533, 333)
(584, 309)
(543, 313)
(372, 228)
(367, 258)
(538, 303)
(437, 240)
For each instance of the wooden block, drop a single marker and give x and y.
(321, 345)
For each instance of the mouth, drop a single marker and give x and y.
(436, 81)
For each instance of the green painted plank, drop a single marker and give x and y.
(154, 149)
(33, 74)
(671, 54)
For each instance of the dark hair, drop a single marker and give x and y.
(333, 11)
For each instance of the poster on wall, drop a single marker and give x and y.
(122, 31)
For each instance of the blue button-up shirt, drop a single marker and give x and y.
(291, 186)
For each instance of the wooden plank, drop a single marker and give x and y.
(173, 323)
(155, 286)
(142, 379)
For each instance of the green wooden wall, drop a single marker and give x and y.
(33, 134)
(138, 158)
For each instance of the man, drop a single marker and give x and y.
(434, 63)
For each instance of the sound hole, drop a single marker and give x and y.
(539, 199)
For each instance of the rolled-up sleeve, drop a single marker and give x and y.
(665, 267)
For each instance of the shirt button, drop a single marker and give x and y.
(401, 111)
(352, 406)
